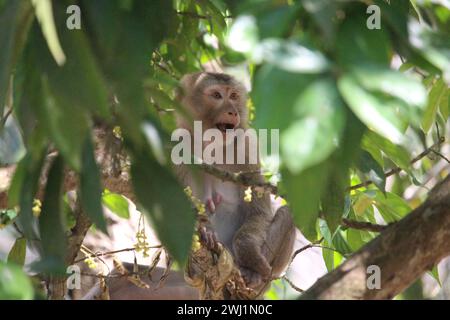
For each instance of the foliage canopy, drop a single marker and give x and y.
(351, 103)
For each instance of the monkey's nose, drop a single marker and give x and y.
(232, 114)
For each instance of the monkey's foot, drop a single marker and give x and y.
(208, 238)
(252, 279)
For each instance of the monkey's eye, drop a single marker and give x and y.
(233, 96)
(217, 95)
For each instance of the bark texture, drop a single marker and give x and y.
(403, 252)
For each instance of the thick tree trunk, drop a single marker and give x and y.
(403, 252)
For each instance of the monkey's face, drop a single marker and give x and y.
(216, 99)
(222, 104)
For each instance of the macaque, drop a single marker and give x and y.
(259, 237)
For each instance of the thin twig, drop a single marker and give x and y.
(198, 16)
(398, 169)
(16, 227)
(5, 117)
(96, 255)
(292, 284)
(308, 246)
(361, 225)
(441, 155)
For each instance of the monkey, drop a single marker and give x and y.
(260, 238)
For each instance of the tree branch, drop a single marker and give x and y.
(396, 170)
(403, 252)
(361, 225)
(242, 178)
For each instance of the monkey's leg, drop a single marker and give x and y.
(254, 266)
(280, 240)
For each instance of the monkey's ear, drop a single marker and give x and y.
(186, 84)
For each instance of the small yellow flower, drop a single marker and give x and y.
(188, 191)
(36, 207)
(142, 243)
(117, 132)
(196, 243)
(248, 195)
(199, 205)
(90, 263)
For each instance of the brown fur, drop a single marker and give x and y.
(261, 242)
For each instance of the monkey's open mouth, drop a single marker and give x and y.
(224, 126)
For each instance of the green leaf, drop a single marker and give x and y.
(140, 30)
(355, 239)
(433, 45)
(362, 202)
(358, 45)
(14, 283)
(16, 182)
(394, 152)
(318, 120)
(18, 252)
(31, 162)
(444, 107)
(393, 83)
(44, 14)
(372, 170)
(217, 20)
(168, 208)
(333, 200)
(52, 220)
(27, 182)
(79, 81)
(67, 126)
(275, 20)
(374, 111)
(394, 17)
(391, 207)
(117, 204)
(328, 257)
(323, 13)
(15, 21)
(290, 56)
(91, 190)
(341, 244)
(243, 35)
(274, 95)
(374, 151)
(437, 93)
(7, 217)
(314, 116)
(304, 191)
(435, 274)
(65, 123)
(11, 143)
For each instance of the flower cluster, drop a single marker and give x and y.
(142, 244)
(199, 206)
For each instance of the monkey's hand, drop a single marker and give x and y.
(213, 201)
